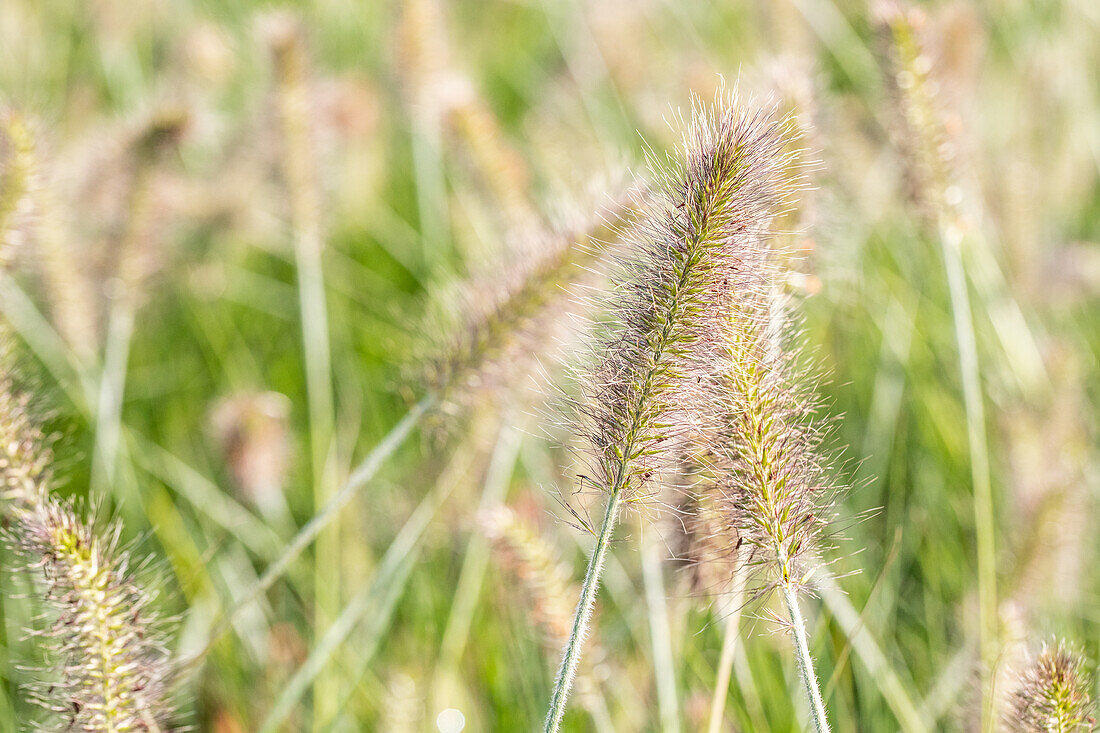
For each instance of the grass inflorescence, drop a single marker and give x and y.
(106, 666)
(706, 210)
(1053, 693)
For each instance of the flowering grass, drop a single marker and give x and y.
(226, 239)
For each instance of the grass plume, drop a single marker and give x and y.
(1052, 695)
(106, 667)
(774, 484)
(498, 316)
(706, 208)
(109, 668)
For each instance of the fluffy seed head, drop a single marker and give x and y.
(107, 666)
(706, 212)
(1053, 693)
(508, 312)
(16, 168)
(770, 469)
(920, 136)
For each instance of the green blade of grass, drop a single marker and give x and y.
(358, 479)
(379, 597)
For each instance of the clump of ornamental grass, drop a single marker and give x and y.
(707, 209)
(1052, 693)
(760, 503)
(106, 666)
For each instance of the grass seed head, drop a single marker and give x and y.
(1052, 693)
(107, 669)
(704, 217)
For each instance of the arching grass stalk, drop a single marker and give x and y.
(290, 63)
(710, 206)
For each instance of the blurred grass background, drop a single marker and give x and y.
(160, 293)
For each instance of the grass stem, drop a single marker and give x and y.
(984, 520)
(583, 615)
(805, 662)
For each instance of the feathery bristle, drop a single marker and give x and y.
(108, 668)
(1053, 693)
(708, 212)
(703, 543)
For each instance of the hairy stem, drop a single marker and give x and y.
(583, 615)
(805, 662)
(308, 238)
